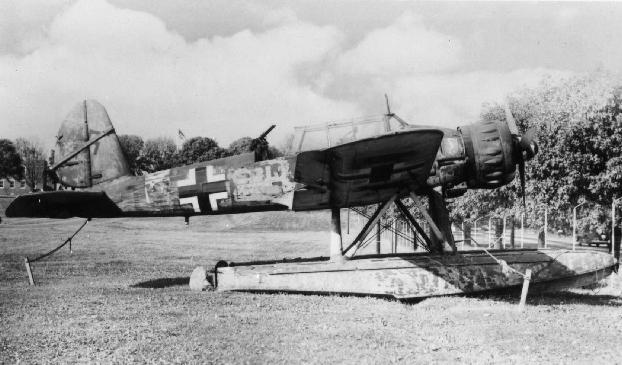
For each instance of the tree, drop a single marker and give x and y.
(580, 138)
(132, 146)
(10, 160)
(579, 131)
(33, 160)
(247, 144)
(274, 152)
(199, 149)
(159, 154)
(241, 145)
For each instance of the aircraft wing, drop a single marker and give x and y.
(366, 171)
(63, 204)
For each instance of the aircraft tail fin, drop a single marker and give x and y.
(88, 147)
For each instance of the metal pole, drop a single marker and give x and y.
(489, 232)
(394, 237)
(348, 226)
(378, 237)
(522, 230)
(463, 236)
(503, 234)
(574, 228)
(546, 225)
(613, 223)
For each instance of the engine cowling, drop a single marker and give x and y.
(482, 155)
(490, 150)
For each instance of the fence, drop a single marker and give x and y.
(396, 236)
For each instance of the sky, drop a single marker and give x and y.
(230, 68)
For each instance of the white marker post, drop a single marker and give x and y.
(31, 279)
(523, 294)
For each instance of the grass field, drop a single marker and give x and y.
(122, 297)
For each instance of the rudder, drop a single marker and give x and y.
(89, 148)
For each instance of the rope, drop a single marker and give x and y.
(68, 240)
(505, 267)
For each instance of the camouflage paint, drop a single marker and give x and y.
(417, 275)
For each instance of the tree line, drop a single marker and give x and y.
(162, 153)
(25, 159)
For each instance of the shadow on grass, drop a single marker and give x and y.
(162, 283)
(556, 298)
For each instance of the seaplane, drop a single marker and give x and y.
(377, 163)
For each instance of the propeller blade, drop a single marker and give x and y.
(509, 118)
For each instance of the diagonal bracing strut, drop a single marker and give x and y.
(382, 208)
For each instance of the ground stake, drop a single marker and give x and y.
(523, 294)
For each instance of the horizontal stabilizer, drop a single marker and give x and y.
(64, 204)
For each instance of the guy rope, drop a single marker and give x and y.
(28, 261)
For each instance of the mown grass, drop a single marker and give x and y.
(121, 297)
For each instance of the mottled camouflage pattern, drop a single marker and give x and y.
(416, 275)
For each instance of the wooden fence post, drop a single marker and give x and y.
(29, 271)
(523, 294)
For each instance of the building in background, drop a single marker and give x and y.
(34, 180)
(12, 187)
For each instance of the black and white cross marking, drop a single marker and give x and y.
(203, 188)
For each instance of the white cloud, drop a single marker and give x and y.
(153, 81)
(23, 24)
(404, 47)
(420, 70)
(456, 99)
